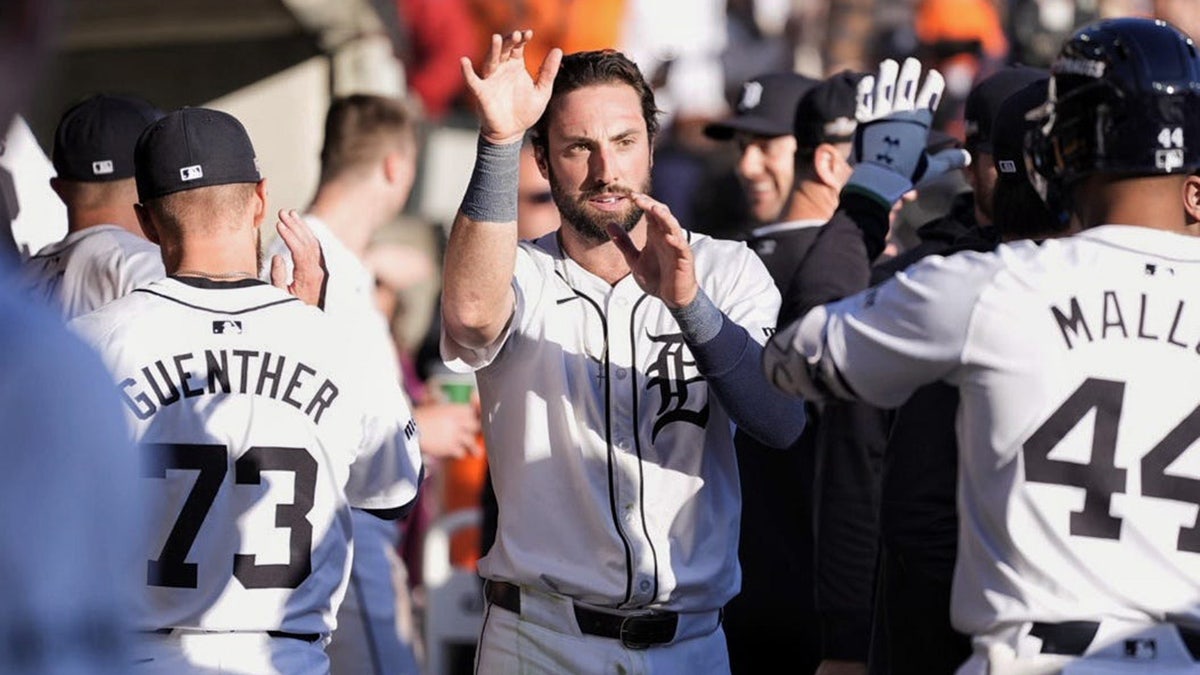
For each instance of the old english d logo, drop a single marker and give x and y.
(668, 375)
(751, 95)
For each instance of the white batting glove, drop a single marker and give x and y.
(893, 129)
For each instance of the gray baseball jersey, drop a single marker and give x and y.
(92, 267)
(1075, 360)
(259, 430)
(613, 463)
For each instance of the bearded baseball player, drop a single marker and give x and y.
(1079, 550)
(613, 358)
(258, 428)
(104, 255)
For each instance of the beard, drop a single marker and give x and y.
(590, 224)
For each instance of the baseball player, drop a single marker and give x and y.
(611, 362)
(1077, 544)
(259, 429)
(104, 255)
(368, 164)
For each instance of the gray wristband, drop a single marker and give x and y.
(491, 195)
(700, 320)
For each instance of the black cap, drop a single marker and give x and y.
(826, 113)
(193, 148)
(94, 139)
(985, 98)
(767, 106)
(1008, 133)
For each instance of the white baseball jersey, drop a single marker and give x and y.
(368, 618)
(613, 464)
(349, 293)
(92, 267)
(1076, 362)
(259, 430)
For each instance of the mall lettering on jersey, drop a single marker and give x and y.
(241, 371)
(1141, 318)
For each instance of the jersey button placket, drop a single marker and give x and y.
(621, 354)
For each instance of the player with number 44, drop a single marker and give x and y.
(1076, 362)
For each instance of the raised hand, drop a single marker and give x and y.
(663, 267)
(309, 273)
(507, 100)
(894, 120)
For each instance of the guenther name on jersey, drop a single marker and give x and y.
(256, 373)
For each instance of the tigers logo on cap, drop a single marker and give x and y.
(751, 95)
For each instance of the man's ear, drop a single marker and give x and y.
(539, 156)
(56, 184)
(260, 203)
(395, 166)
(1191, 199)
(825, 163)
(146, 222)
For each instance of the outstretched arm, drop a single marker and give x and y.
(477, 295)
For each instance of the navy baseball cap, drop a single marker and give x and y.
(193, 148)
(984, 99)
(767, 106)
(1010, 127)
(826, 113)
(94, 139)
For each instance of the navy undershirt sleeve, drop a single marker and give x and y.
(730, 362)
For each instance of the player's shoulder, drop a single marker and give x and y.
(99, 325)
(959, 278)
(1129, 240)
(709, 249)
(129, 243)
(49, 250)
(84, 239)
(169, 297)
(541, 256)
(101, 241)
(718, 257)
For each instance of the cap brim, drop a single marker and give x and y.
(751, 124)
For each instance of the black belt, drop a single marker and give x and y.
(635, 631)
(305, 637)
(1072, 638)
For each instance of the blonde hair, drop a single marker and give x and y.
(206, 207)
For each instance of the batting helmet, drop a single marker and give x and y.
(1124, 99)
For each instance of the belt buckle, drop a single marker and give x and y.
(628, 639)
(634, 624)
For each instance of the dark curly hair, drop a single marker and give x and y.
(585, 69)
